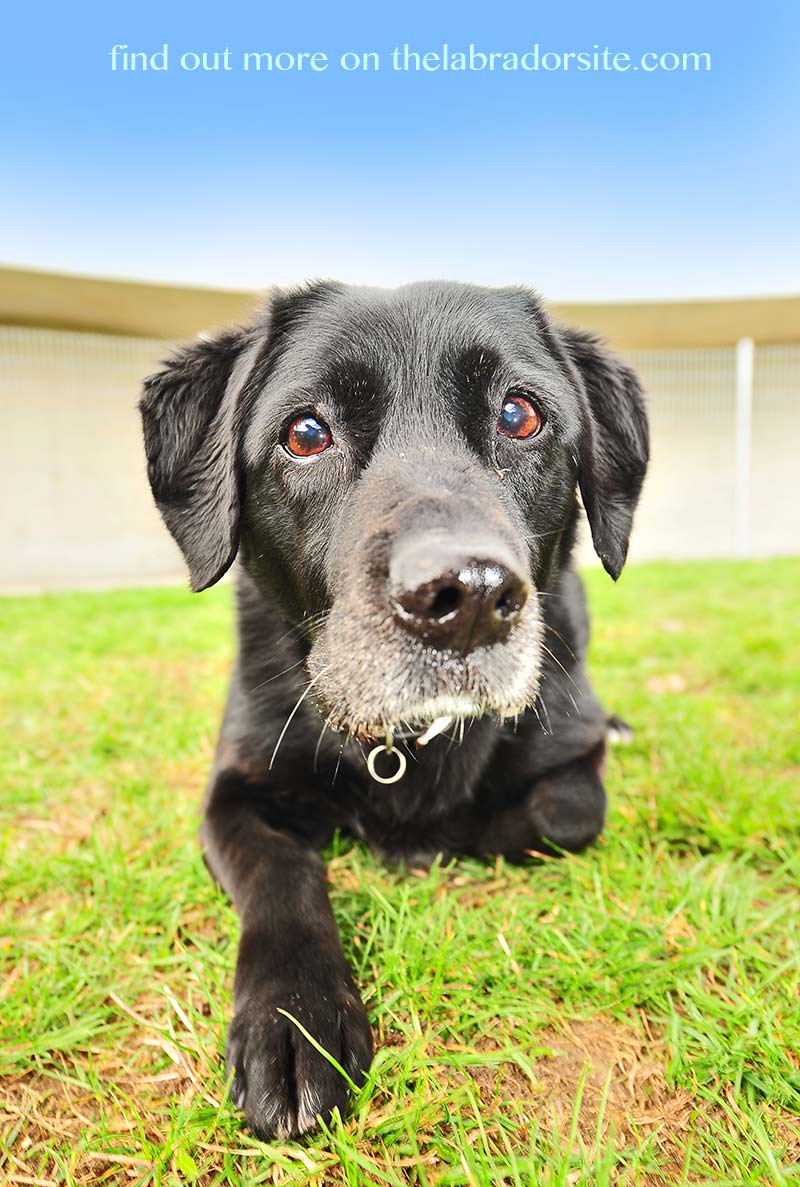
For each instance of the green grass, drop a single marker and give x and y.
(631, 1015)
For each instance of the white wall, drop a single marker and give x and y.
(76, 508)
(775, 477)
(688, 505)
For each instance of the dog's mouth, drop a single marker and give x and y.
(372, 681)
(442, 716)
(445, 716)
(427, 721)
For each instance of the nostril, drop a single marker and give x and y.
(445, 602)
(504, 605)
(510, 600)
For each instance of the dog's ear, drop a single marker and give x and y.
(615, 447)
(191, 416)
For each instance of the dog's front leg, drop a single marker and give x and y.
(290, 959)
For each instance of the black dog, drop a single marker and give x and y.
(397, 471)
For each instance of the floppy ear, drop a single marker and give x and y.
(615, 449)
(191, 416)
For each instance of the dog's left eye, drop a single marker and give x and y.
(519, 417)
(307, 436)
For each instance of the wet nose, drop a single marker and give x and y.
(470, 601)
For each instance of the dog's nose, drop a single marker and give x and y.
(473, 601)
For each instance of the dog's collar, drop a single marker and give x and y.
(387, 747)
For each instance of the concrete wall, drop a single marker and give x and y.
(76, 508)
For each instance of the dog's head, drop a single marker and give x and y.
(398, 471)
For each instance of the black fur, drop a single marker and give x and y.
(410, 382)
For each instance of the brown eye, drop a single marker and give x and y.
(307, 436)
(519, 417)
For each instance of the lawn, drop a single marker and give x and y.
(630, 1015)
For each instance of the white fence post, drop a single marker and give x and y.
(744, 415)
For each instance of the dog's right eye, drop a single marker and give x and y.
(307, 436)
(519, 417)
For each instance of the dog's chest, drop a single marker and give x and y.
(430, 810)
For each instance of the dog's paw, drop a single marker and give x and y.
(567, 809)
(618, 732)
(280, 1081)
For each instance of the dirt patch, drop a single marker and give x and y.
(610, 1079)
(59, 1118)
(171, 1055)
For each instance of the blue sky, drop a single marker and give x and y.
(587, 185)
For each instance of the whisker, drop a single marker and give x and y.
(538, 718)
(452, 738)
(549, 730)
(283, 673)
(325, 724)
(440, 770)
(412, 753)
(300, 627)
(544, 535)
(306, 624)
(561, 639)
(290, 718)
(568, 675)
(338, 761)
